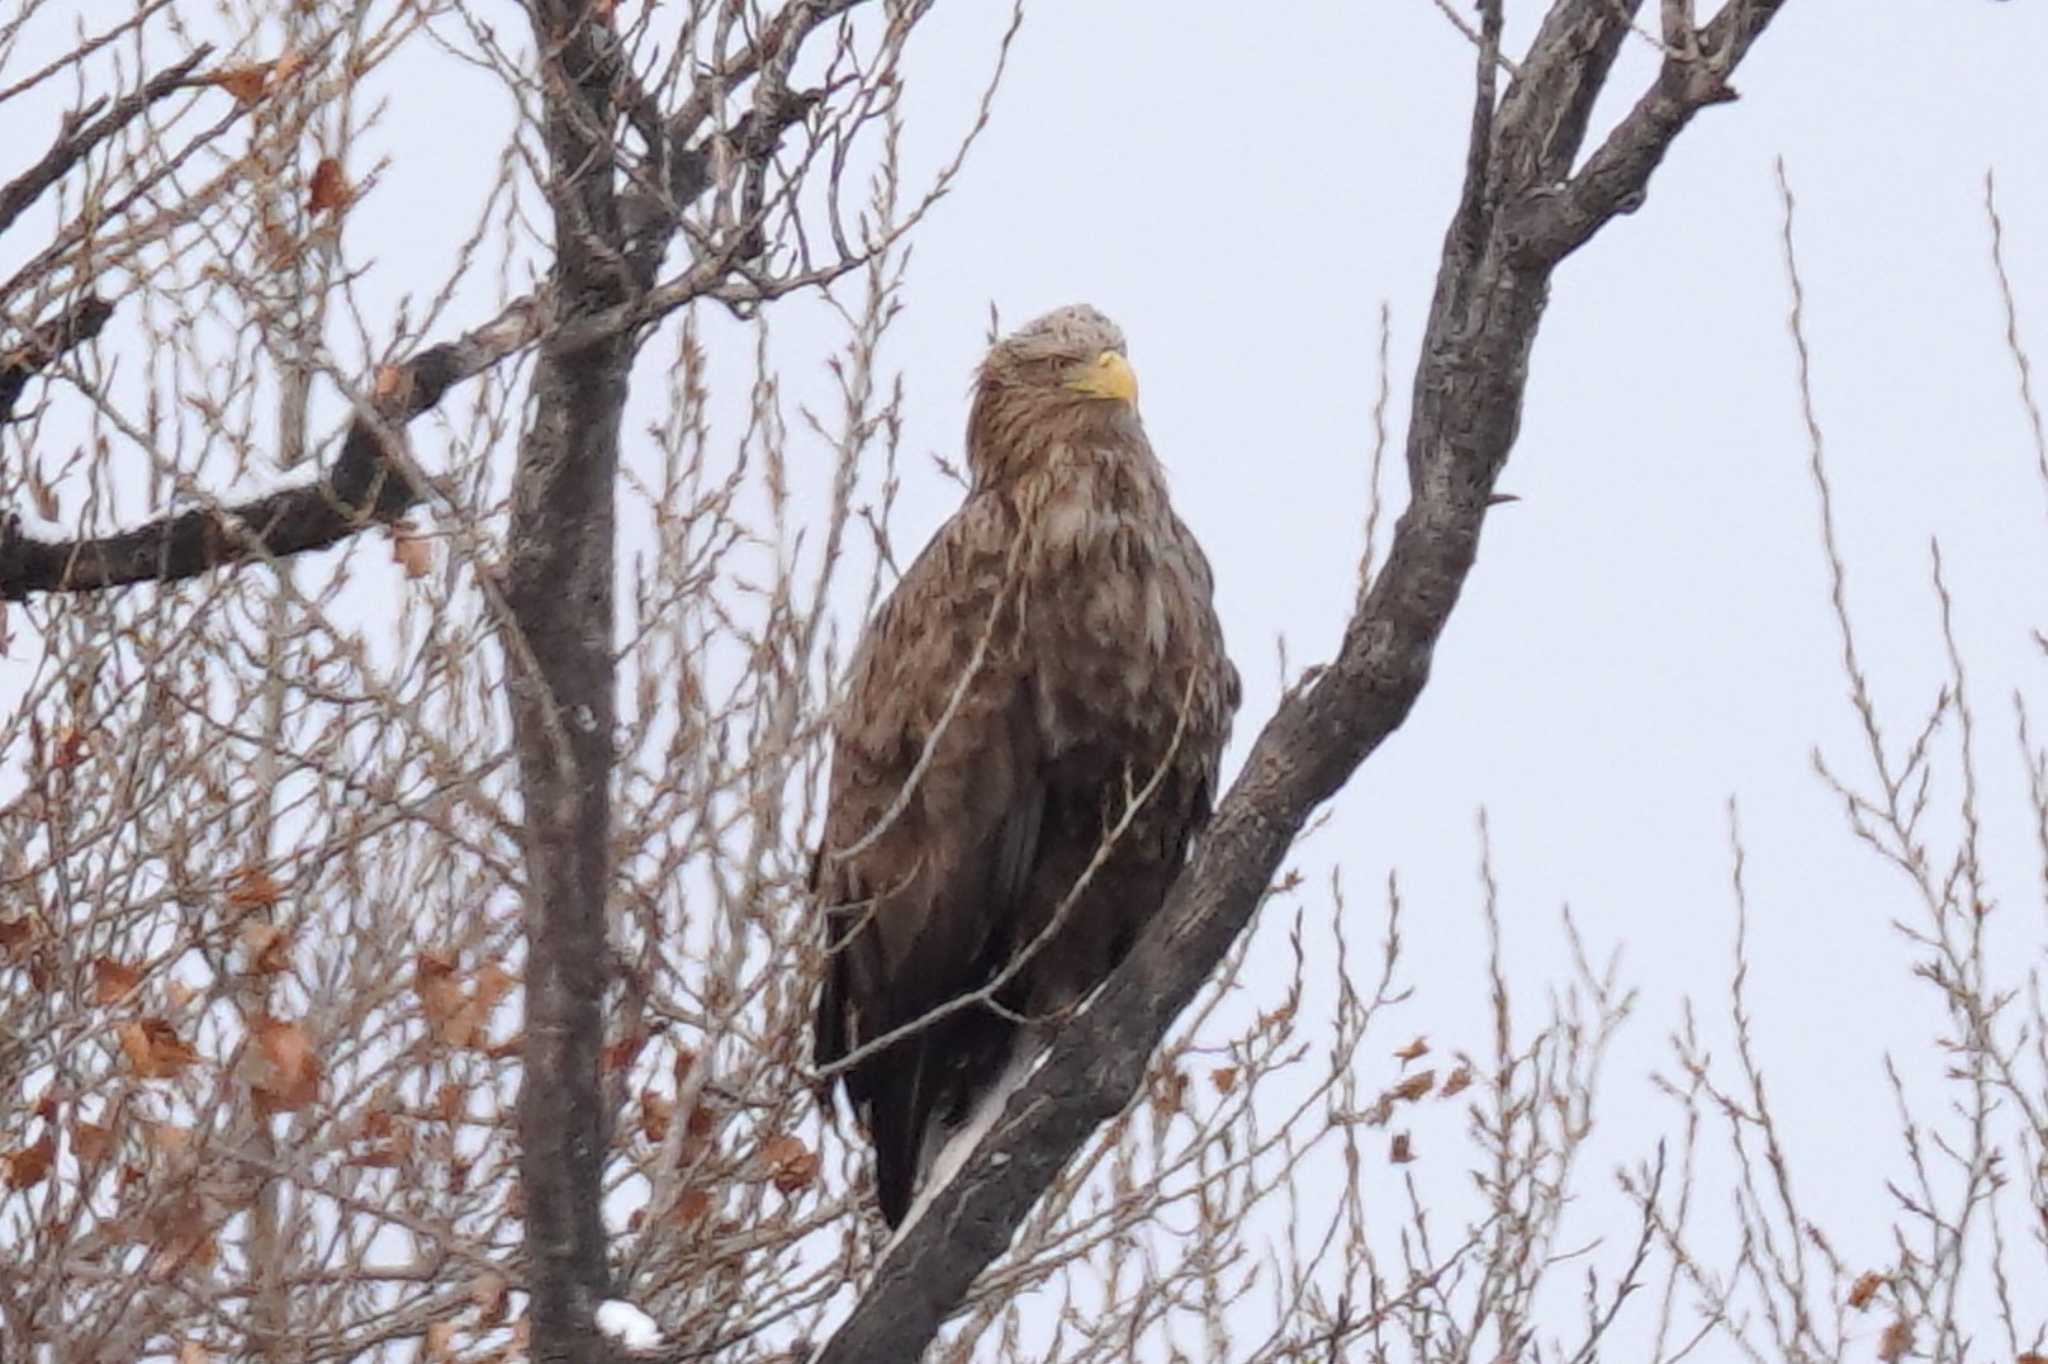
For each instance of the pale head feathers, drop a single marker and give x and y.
(1073, 333)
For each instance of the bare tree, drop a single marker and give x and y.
(639, 139)
(225, 1132)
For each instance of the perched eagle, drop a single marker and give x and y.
(1029, 740)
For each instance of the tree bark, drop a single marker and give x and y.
(558, 591)
(559, 594)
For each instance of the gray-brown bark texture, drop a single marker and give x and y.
(558, 588)
(1521, 213)
(558, 591)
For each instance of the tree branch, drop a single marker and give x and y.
(558, 590)
(76, 141)
(1467, 401)
(1615, 177)
(1544, 115)
(364, 488)
(79, 323)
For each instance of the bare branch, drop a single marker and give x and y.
(364, 488)
(1617, 175)
(79, 138)
(45, 345)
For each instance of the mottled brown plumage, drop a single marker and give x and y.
(1050, 666)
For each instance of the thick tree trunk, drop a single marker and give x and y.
(558, 592)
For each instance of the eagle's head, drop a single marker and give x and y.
(1061, 377)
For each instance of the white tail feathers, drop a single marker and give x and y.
(946, 1149)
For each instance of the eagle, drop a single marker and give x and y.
(1028, 742)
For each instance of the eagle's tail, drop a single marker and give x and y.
(945, 1146)
(928, 1089)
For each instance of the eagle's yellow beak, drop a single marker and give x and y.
(1108, 375)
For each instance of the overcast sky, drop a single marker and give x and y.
(1646, 633)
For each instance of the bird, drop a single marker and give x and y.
(1027, 743)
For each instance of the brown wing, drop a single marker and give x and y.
(918, 885)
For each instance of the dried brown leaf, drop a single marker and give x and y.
(1169, 1092)
(488, 1294)
(154, 1049)
(253, 888)
(169, 1139)
(1413, 1051)
(701, 1120)
(1864, 1289)
(72, 747)
(1402, 1151)
(112, 981)
(656, 1114)
(623, 1051)
(791, 1166)
(266, 948)
(384, 1156)
(28, 1166)
(442, 998)
(288, 1076)
(691, 1205)
(1281, 1018)
(387, 1143)
(330, 191)
(493, 982)
(413, 553)
(90, 1142)
(245, 83)
(1415, 1086)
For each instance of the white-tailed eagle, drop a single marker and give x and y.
(1028, 742)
